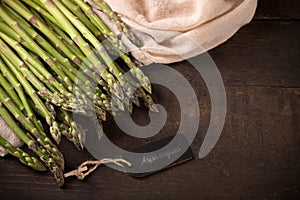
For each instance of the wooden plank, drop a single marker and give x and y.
(277, 9)
(257, 156)
(259, 146)
(263, 54)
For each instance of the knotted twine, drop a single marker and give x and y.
(88, 167)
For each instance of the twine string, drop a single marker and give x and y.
(86, 168)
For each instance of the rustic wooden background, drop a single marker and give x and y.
(258, 154)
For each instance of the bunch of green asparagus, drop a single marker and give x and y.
(52, 54)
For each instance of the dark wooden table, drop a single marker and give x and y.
(258, 154)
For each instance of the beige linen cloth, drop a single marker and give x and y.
(9, 135)
(173, 30)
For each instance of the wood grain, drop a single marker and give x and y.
(278, 10)
(258, 154)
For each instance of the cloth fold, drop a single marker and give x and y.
(8, 135)
(165, 26)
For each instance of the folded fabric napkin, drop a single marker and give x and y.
(172, 30)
